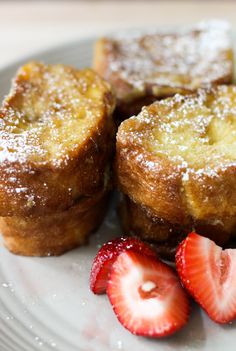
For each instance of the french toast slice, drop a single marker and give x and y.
(53, 234)
(57, 137)
(177, 159)
(144, 68)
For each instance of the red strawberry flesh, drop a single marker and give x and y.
(106, 256)
(209, 274)
(146, 295)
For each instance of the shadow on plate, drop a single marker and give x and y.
(193, 334)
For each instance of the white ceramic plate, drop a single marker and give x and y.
(45, 303)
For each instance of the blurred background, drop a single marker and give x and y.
(30, 26)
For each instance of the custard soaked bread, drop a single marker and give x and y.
(57, 138)
(144, 68)
(176, 162)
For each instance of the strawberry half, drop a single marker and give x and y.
(209, 274)
(106, 256)
(146, 295)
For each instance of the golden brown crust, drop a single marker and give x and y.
(149, 180)
(56, 139)
(163, 64)
(52, 234)
(139, 221)
(178, 159)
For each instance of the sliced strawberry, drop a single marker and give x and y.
(209, 274)
(106, 256)
(146, 295)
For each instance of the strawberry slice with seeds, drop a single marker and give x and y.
(106, 256)
(146, 295)
(209, 274)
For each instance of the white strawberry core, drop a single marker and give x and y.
(148, 286)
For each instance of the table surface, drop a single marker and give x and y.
(30, 26)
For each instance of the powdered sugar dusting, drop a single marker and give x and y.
(196, 133)
(186, 60)
(49, 113)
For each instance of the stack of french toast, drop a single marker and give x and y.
(57, 137)
(175, 159)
